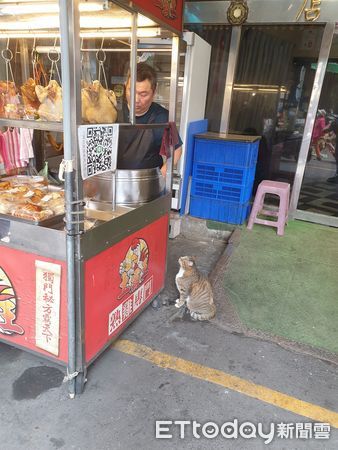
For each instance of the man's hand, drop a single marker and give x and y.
(164, 169)
(177, 155)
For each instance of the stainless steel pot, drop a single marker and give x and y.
(133, 187)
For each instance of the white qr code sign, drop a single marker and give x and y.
(98, 148)
(122, 313)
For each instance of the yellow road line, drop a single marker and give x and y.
(292, 404)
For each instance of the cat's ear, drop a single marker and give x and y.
(190, 263)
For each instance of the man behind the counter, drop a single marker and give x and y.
(140, 148)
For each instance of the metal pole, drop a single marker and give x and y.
(133, 65)
(69, 26)
(24, 59)
(311, 114)
(175, 62)
(231, 71)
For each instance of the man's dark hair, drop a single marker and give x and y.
(145, 72)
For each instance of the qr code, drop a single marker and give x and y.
(99, 145)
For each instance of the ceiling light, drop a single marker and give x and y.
(141, 32)
(47, 7)
(29, 35)
(100, 22)
(259, 88)
(31, 24)
(117, 33)
(237, 88)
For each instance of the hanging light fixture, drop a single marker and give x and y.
(22, 8)
(112, 33)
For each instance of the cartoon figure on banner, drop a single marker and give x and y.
(134, 267)
(8, 306)
(168, 8)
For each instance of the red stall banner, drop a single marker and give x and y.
(121, 281)
(33, 303)
(169, 12)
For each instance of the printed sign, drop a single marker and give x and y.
(8, 306)
(121, 280)
(47, 322)
(122, 313)
(19, 308)
(168, 11)
(98, 148)
(134, 267)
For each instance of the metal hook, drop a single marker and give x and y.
(101, 61)
(104, 56)
(53, 51)
(7, 55)
(101, 52)
(54, 61)
(81, 53)
(84, 61)
(34, 53)
(81, 58)
(34, 60)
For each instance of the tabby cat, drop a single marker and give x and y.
(195, 290)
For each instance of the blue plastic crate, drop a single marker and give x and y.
(218, 173)
(219, 191)
(243, 154)
(221, 211)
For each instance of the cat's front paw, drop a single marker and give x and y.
(179, 303)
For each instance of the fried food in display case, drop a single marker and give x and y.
(31, 199)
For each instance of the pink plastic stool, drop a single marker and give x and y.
(271, 187)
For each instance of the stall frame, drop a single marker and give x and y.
(73, 248)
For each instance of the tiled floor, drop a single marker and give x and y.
(317, 194)
(320, 197)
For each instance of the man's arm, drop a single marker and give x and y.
(177, 155)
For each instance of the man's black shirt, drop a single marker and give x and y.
(140, 149)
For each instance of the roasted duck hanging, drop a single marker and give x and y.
(9, 100)
(50, 98)
(98, 104)
(29, 97)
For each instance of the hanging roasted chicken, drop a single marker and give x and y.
(9, 100)
(50, 98)
(29, 97)
(98, 104)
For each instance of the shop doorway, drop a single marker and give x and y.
(274, 86)
(319, 189)
(271, 93)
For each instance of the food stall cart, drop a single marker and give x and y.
(67, 292)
